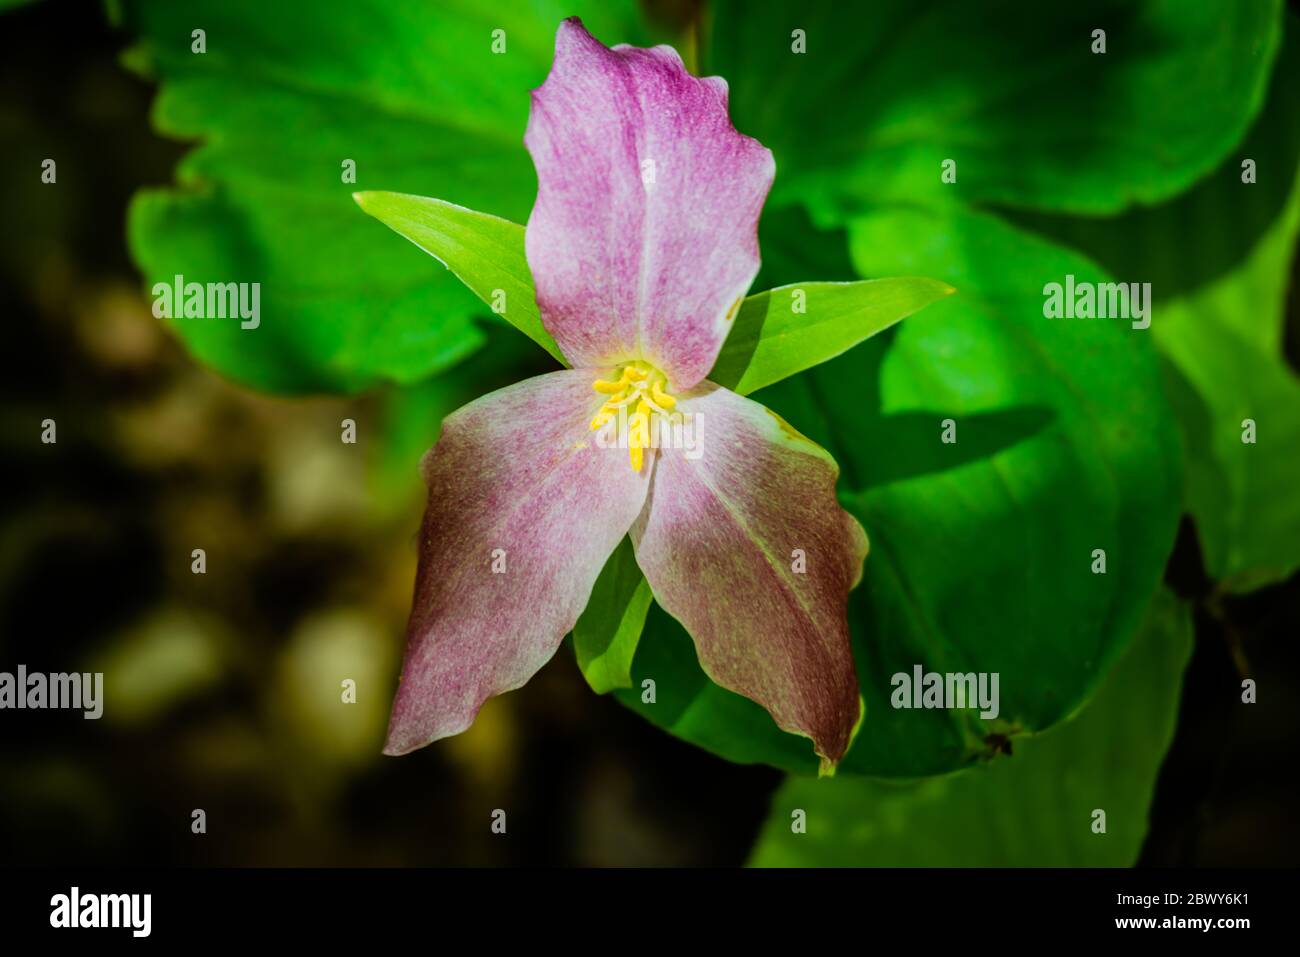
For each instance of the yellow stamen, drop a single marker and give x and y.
(653, 406)
(639, 386)
(638, 435)
(662, 397)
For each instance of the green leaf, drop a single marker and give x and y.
(981, 551)
(787, 330)
(484, 252)
(608, 630)
(1219, 262)
(1032, 809)
(1011, 91)
(283, 97)
(681, 700)
(1241, 494)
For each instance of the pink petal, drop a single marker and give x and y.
(625, 270)
(717, 542)
(516, 477)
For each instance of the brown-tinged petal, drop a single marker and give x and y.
(743, 541)
(524, 508)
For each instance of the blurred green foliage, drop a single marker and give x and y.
(1036, 809)
(1014, 90)
(1219, 258)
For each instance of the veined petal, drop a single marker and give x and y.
(643, 239)
(743, 541)
(524, 508)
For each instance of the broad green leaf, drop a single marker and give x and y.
(1219, 260)
(1242, 494)
(983, 549)
(671, 691)
(988, 564)
(884, 94)
(484, 252)
(606, 634)
(787, 330)
(286, 97)
(1031, 809)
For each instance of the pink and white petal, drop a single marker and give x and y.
(643, 238)
(720, 541)
(524, 508)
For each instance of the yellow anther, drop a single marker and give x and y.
(661, 397)
(606, 412)
(610, 388)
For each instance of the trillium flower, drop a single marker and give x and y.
(642, 244)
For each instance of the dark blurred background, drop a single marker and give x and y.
(311, 554)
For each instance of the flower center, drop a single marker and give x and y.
(636, 397)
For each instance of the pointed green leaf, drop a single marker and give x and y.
(787, 330)
(484, 252)
(607, 632)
